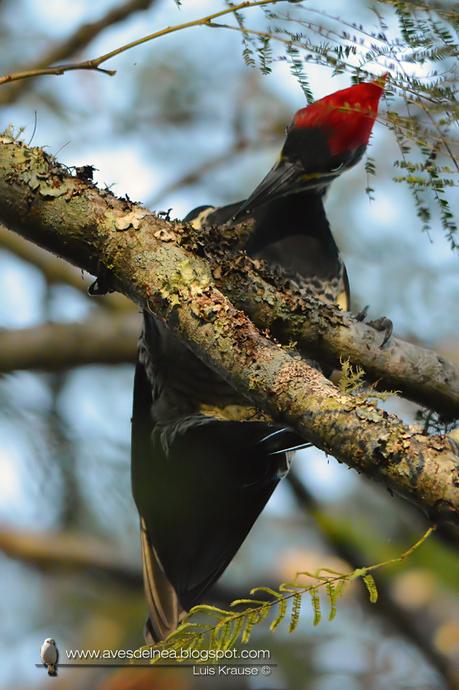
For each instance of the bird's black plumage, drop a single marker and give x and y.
(292, 232)
(204, 461)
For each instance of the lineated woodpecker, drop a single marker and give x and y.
(204, 461)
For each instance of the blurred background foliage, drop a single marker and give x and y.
(186, 121)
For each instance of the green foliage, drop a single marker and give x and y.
(370, 169)
(352, 382)
(296, 68)
(421, 110)
(352, 378)
(210, 627)
(265, 55)
(370, 584)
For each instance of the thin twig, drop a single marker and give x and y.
(94, 63)
(83, 35)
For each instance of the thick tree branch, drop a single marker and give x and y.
(96, 231)
(72, 552)
(57, 346)
(421, 374)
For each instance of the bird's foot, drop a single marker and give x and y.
(382, 325)
(362, 315)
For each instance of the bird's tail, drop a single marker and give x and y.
(164, 609)
(52, 670)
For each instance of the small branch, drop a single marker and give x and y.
(66, 552)
(142, 258)
(94, 63)
(58, 346)
(56, 71)
(329, 335)
(77, 41)
(70, 552)
(398, 617)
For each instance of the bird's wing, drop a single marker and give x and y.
(210, 215)
(198, 216)
(164, 608)
(197, 501)
(49, 654)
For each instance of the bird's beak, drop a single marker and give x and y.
(278, 182)
(286, 177)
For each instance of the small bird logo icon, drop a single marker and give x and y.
(49, 656)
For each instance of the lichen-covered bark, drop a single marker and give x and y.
(100, 233)
(329, 335)
(321, 332)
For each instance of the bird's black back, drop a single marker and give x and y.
(292, 232)
(203, 466)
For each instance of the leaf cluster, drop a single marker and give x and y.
(421, 110)
(211, 627)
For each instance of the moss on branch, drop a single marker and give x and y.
(142, 256)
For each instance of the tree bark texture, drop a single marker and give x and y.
(162, 267)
